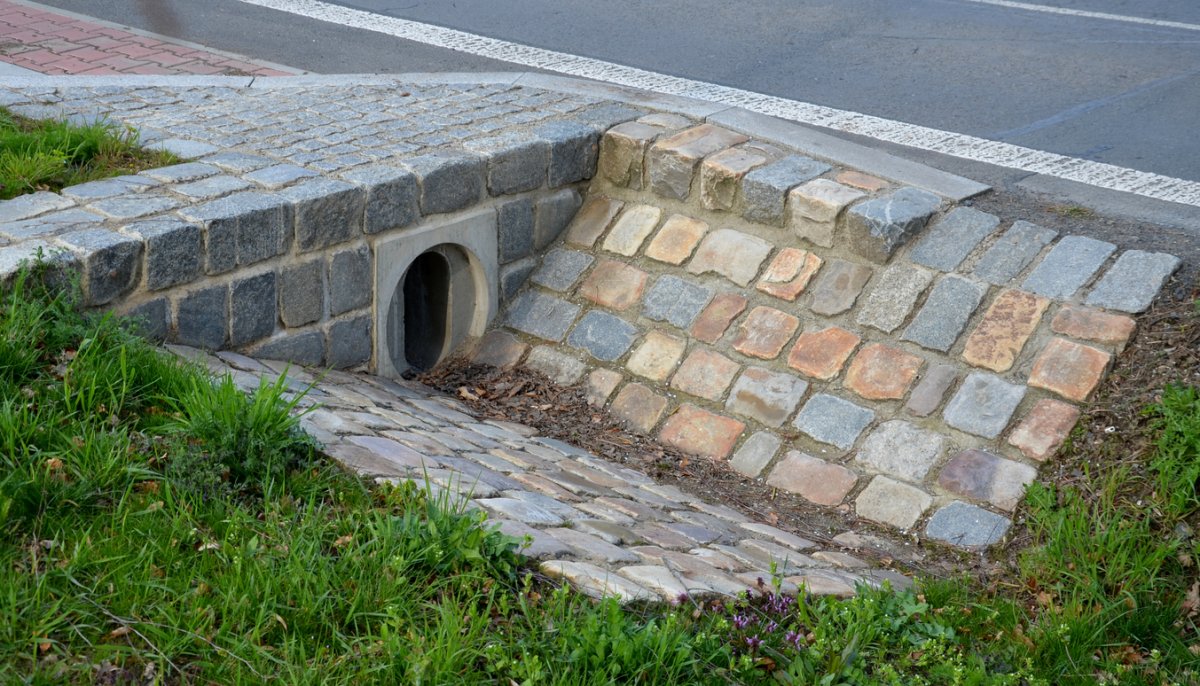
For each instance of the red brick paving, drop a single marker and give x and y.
(48, 42)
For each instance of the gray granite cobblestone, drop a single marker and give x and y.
(1068, 265)
(764, 190)
(950, 240)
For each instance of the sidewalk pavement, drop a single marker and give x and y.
(50, 41)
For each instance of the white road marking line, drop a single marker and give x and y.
(1088, 14)
(1098, 174)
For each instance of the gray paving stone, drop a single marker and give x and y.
(516, 161)
(111, 262)
(349, 280)
(950, 240)
(127, 207)
(242, 229)
(327, 212)
(519, 510)
(983, 405)
(560, 269)
(668, 585)
(837, 286)
(605, 336)
(568, 513)
(31, 205)
(392, 196)
(591, 547)
(449, 181)
(301, 293)
(901, 449)
(348, 342)
(560, 367)
(513, 276)
(151, 319)
(539, 545)
(1132, 282)
(279, 175)
(756, 453)
(1012, 252)
(514, 224)
(893, 296)
(764, 190)
(596, 582)
(573, 151)
(552, 214)
(541, 315)
(107, 188)
(967, 526)
(931, 390)
(174, 252)
(252, 308)
(893, 503)
(767, 396)
(181, 173)
(880, 226)
(238, 162)
(676, 301)
(50, 224)
(830, 419)
(1068, 266)
(211, 187)
(182, 147)
(202, 318)
(945, 313)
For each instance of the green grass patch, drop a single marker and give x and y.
(53, 154)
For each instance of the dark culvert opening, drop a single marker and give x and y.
(426, 310)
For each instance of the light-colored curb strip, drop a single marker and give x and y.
(762, 127)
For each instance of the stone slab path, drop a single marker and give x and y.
(607, 529)
(51, 41)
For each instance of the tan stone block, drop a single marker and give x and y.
(1090, 324)
(881, 372)
(1069, 369)
(813, 479)
(600, 385)
(671, 162)
(613, 284)
(631, 229)
(1004, 329)
(592, 219)
(821, 354)
(868, 183)
(1045, 428)
(890, 502)
(732, 254)
(639, 407)
(499, 349)
(765, 332)
(676, 239)
(657, 356)
(720, 175)
(666, 120)
(716, 318)
(705, 374)
(623, 153)
(789, 273)
(700, 432)
(815, 207)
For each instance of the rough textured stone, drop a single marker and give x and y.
(929, 393)
(893, 296)
(815, 208)
(301, 293)
(49, 224)
(592, 547)
(967, 526)
(1069, 369)
(252, 308)
(242, 229)
(127, 207)
(945, 313)
(721, 174)
(534, 544)
(602, 335)
(832, 420)
(765, 190)
(573, 151)
(1132, 282)
(349, 280)
(514, 227)
(675, 301)
(639, 406)
(765, 332)
(623, 152)
(614, 285)
(732, 254)
(756, 453)
(892, 503)
(91, 190)
(173, 251)
(151, 319)
(631, 229)
(560, 269)
(983, 405)
(878, 227)
(513, 276)
(348, 342)
(600, 386)
(657, 356)
(700, 432)
(676, 239)
(789, 273)
(212, 187)
(705, 374)
(671, 162)
(238, 162)
(559, 367)
(813, 479)
(499, 349)
(327, 212)
(1093, 325)
(1045, 428)
(860, 180)
(716, 318)
(516, 161)
(202, 318)
(1068, 266)
(1000, 336)
(279, 175)
(31, 205)
(838, 286)
(552, 214)
(901, 449)
(980, 475)
(881, 372)
(592, 220)
(821, 354)
(111, 262)
(306, 348)
(949, 241)
(767, 396)
(1012, 252)
(542, 315)
(449, 180)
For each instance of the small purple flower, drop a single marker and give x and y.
(753, 642)
(771, 627)
(741, 621)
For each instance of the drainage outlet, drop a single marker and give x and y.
(435, 286)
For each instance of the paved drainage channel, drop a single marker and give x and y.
(859, 339)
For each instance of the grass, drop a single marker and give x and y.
(159, 527)
(53, 154)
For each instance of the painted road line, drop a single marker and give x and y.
(1098, 174)
(1088, 14)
